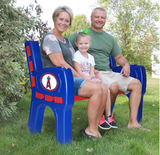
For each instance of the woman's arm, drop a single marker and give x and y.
(58, 60)
(53, 50)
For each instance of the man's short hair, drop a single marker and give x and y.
(99, 8)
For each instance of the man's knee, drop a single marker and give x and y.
(136, 84)
(114, 87)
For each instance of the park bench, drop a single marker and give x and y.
(54, 87)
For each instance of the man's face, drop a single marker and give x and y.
(98, 19)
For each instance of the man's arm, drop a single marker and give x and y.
(121, 60)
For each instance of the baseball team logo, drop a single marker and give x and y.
(49, 82)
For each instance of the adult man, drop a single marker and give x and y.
(102, 45)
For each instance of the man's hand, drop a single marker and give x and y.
(120, 59)
(125, 70)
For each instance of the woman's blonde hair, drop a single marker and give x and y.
(60, 9)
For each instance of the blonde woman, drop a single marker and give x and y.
(56, 50)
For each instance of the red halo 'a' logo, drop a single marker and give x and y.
(49, 82)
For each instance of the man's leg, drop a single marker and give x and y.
(135, 87)
(96, 105)
(134, 101)
(107, 78)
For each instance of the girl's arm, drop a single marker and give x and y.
(92, 70)
(96, 76)
(78, 69)
(94, 73)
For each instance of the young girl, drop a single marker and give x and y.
(84, 64)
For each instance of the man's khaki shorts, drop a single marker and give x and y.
(109, 77)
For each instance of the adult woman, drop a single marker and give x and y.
(57, 51)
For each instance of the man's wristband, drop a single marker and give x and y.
(92, 77)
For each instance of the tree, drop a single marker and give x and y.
(79, 22)
(16, 26)
(132, 23)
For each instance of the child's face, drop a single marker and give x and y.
(83, 43)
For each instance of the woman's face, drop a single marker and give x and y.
(63, 21)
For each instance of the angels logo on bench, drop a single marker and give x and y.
(49, 82)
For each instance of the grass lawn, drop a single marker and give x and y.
(16, 139)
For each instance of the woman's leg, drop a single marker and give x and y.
(97, 94)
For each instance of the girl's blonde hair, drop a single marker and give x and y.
(82, 35)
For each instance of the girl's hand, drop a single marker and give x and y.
(96, 80)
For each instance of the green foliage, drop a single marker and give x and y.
(15, 26)
(79, 22)
(6, 109)
(132, 22)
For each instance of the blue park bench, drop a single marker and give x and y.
(54, 87)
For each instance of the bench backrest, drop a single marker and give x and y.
(35, 57)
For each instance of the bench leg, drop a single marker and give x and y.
(112, 106)
(63, 125)
(36, 117)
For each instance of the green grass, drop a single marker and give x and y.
(16, 139)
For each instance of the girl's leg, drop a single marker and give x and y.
(108, 117)
(108, 105)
